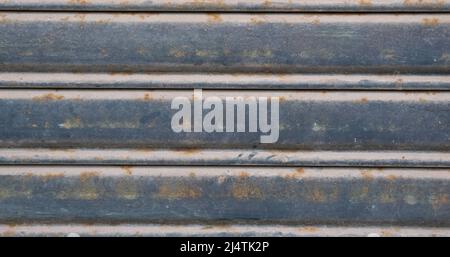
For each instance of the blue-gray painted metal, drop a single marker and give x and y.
(88, 42)
(193, 194)
(307, 120)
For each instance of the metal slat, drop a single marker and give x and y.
(163, 230)
(232, 5)
(175, 194)
(98, 42)
(349, 121)
(223, 81)
(223, 157)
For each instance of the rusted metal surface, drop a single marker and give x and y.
(195, 194)
(87, 147)
(223, 81)
(308, 120)
(74, 230)
(223, 157)
(105, 42)
(231, 5)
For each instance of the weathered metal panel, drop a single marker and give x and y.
(223, 81)
(89, 42)
(87, 146)
(221, 230)
(231, 5)
(307, 120)
(195, 194)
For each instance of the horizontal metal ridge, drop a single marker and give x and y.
(308, 120)
(232, 5)
(75, 230)
(222, 157)
(283, 43)
(182, 194)
(223, 81)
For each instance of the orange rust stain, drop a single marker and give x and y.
(244, 190)
(80, 2)
(190, 151)
(82, 18)
(255, 20)
(143, 16)
(387, 197)
(144, 150)
(9, 233)
(317, 195)
(316, 21)
(243, 175)
(102, 22)
(296, 174)
(123, 73)
(365, 2)
(48, 97)
(178, 191)
(300, 171)
(439, 200)
(86, 176)
(391, 177)
(363, 100)
(192, 174)
(309, 229)
(386, 233)
(213, 17)
(430, 21)
(360, 194)
(435, 3)
(367, 175)
(291, 176)
(267, 3)
(399, 83)
(127, 170)
(52, 176)
(126, 189)
(147, 96)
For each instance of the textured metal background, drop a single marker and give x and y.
(232, 5)
(86, 146)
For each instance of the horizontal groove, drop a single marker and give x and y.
(171, 194)
(223, 81)
(221, 157)
(231, 5)
(234, 43)
(308, 120)
(72, 230)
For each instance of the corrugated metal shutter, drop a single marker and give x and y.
(86, 100)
